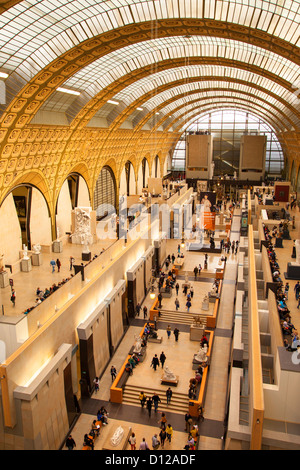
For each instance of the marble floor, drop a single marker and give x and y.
(26, 283)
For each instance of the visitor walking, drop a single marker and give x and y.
(149, 406)
(72, 260)
(169, 431)
(163, 437)
(176, 334)
(97, 384)
(70, 443)
(145, 310)
(53, 264)
(142, 398)
(58, 264)
(113, 373)
(156, 400)
(168, 331)
(162, 359)
(132, 441)
(13, 297)
(177, 304)
(155, 362)
(169, 394)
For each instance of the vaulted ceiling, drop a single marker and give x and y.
(149, 56)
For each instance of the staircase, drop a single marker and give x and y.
(179, 402)
(183, 318)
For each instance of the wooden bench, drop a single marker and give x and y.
(93, 438)
(194, 404)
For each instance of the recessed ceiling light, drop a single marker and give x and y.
(3, 75)
(66, 90)
(139, 109)
(112, 102)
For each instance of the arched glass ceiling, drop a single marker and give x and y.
(116, 65)
(189, 113)
(35, 32)
(227, 126)
(156, 102)
(102, 72)
(145, 85)
(184, 104)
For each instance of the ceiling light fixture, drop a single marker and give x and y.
(3, 75)
(67, 90)
(113, 102)
(139, 109)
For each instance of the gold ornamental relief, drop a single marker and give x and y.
(28, 163)
(57, 65)
(23, 120)
(21, 163)
(12, 163)
(8, 119)
(31, 108)
(57, 80)
(30, 91)
(7, 151)
(17, 150)
(18, 105)
(43, 77)
(7, 179)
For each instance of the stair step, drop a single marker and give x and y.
(138, 388)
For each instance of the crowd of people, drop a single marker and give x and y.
(282, 292)
(42, 295)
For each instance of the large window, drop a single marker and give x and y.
(227, 127)
(105, 192)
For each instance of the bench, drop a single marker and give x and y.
(195, 404)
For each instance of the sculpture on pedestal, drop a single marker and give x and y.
(117, 437)
(168, 375)
(201, 356)
(37, 248)
(205, 302)
(82, 230)
(25, 252)
(138, 345)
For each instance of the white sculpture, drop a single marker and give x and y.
(37, 248)
(117, 437)
(25, 252)
(205, 302)
(168, 375)
(82, 230)
(214, 289)
(138, 345)
(201, 356)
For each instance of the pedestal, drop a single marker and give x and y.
(205, 305)
(26, 265)
(293, 272)
(4, 281)
(196, 333)
(57, 246)
(166, 381)
(37, 259)
(107, 445)
(86, 256)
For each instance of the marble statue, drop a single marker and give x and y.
(82, 230)
(138, 345)
(117, 437)
(37, 248)
(25, 252)
(205, 303)
(168, 375)
(201, 356)
(197, 320)
(214, 289)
